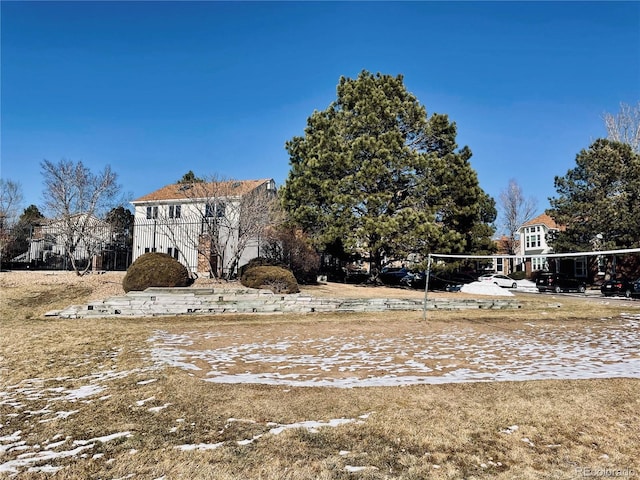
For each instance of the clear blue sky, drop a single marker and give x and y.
(156, 89)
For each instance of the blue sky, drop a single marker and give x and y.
(156, 89)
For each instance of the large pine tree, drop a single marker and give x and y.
(373, 171)
(599, 200)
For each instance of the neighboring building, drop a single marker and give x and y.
(533, 241)
(210, 227)
(534, 235)
(502, 265)
(51, 239)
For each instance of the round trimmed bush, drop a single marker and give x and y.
(276, 279)
(155, 270)
(258, 262)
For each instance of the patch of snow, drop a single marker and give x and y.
(510, 430)
(147, 382)
(311, 425)
(80, 393)
(26, 459)
(543, 352)
(157, 409)
(44, 469)
(200, 446)
(352, 469)
(483, 288)
(527, 441)
(103, 439)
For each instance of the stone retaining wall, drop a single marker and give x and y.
(189, 301)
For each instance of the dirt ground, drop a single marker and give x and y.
(109, 284)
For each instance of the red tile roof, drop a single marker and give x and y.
(204, 190)
(543, 219)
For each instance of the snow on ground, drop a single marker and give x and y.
(546, 351)
(537, 351)
(277, 429)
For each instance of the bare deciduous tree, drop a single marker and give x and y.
(515, 211)
(10, 202)
(75, 198)
(625, 126)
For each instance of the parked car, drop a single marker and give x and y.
(449, 281)
(498, 279)
(393, 276)
(559, 282)
(622, 286)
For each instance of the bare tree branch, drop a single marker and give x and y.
(10, 202)
(625, 126)
(75, 198)
(516, 210)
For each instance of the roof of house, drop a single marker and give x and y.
(543, 219)
(202, 190)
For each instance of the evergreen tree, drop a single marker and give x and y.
(190, 177)
(599, 198)
(121, 220)
(373, 171)
(31, 215)
(23, 230)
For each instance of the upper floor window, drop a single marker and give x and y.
(215, 210)
(152, 212)
(175, 211)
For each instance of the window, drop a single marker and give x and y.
(581, 267)
(174, 252)
(220, 209)
(152, 212)
(215, 210)
(499, 265)
(602, 264)
(209, 210)
(538, 263)
(174, 211)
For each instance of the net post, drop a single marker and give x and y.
(426, 287)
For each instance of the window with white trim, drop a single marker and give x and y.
(175, 211)
(152, 212)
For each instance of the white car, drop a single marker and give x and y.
(498, 279)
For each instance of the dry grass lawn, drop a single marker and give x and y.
(87, 398)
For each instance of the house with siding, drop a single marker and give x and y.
(534, 236)
(82, 236)
(212, 228)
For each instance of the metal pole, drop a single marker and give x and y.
(426, 287)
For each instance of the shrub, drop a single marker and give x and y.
(276, 279)
(259, 262)
(291, 247)
(155, 270)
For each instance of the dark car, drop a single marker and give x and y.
(442, 280)
(393, 276)
(621, 286)
(559, 282)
